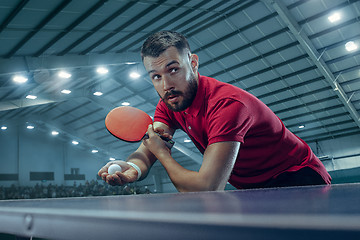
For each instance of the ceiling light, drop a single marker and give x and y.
(351, 46)
(31, 97)
(112, 159)
(3, 127)
(301, 126)
(19, 79)
(30, 127)
(125, 103)
(134, 75)
(95, 151)
(102, 70)
(64, 74)
(334, 17)
(65, 91)
(54, 133)
(98, 93)
(75, 142)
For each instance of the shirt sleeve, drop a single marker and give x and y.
(229, 120)
(162, 115)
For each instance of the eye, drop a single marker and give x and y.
(156, 77)
(173, 70)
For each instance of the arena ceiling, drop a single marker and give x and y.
(291, 54)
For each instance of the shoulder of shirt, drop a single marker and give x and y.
(216, 90)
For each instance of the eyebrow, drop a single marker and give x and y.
(167, 65)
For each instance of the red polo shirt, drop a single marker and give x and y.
(222, 112)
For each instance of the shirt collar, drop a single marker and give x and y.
(198, 101)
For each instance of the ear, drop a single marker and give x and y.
(194, 62)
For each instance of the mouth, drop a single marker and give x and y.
(173, 98)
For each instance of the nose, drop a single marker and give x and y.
(167, 83)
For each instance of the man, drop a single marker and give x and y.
(241, 139)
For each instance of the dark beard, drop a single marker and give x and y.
(188, 96)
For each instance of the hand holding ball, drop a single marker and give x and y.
(114, 168)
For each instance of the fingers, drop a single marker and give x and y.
(118, 178)
(150, 130)
(114, 179)
(102, 171)
(167, 135)
(162, 132)
(157, 132)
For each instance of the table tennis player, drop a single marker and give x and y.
(242, 141)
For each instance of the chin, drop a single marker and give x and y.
(175, 107)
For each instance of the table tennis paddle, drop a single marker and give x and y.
(130, 124)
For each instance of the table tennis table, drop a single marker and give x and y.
(311, 212)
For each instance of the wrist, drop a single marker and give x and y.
(163, 155)
(136, 167)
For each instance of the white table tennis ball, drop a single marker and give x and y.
(114, 168)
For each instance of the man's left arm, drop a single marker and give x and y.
(218, 162)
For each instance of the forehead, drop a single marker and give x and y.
(170, 55)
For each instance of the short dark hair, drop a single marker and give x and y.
(158, 42)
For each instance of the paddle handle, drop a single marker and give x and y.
(168, 142)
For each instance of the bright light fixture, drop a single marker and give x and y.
(301, 126)
(3, 127)
(19, 79)
(64, 74)
(98, 93)
(75, 142)
(95, 151)
(30, 127)
(65, 91)
(186, 140)
(112, 159)
(31, 97)
(125, 103)
(334, 17)
(54, 133)
(351, 46)
(134, 75)
(102, 70)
